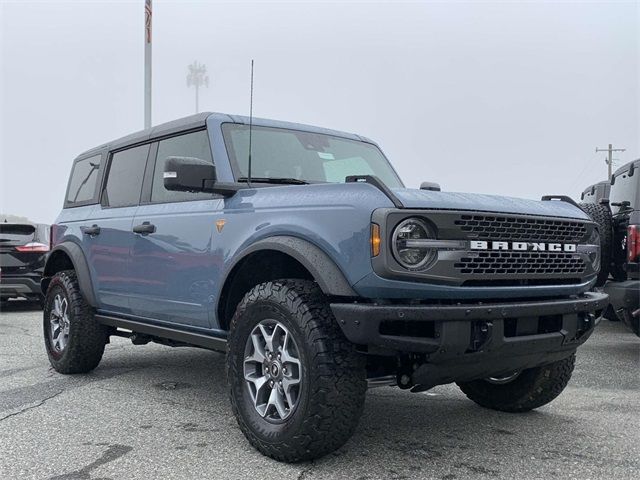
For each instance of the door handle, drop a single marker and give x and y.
(92, 231)
(145, 228)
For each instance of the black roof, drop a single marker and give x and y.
(181, 124)
(597, 184)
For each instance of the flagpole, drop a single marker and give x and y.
(147, 62)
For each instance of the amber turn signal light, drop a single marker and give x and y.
(375, 240)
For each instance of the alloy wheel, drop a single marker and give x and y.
(272, 370)
(59, 323)
(504, 379)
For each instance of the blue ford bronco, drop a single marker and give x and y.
(299, 252)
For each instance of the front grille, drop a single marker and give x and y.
(521, 263)
(484, 227)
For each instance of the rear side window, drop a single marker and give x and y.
(124, 181)
(626, 188)
(195, 145)
(84, 177)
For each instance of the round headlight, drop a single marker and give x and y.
(406, 244)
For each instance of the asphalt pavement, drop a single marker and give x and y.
(154, 412)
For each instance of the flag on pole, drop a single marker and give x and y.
(147, 63)
(147, 20)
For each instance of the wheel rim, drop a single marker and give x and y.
(502, 380)
(59, 323)
(272, 370)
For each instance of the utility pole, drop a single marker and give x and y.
(197, 77)
(609, 161)
(147, 62)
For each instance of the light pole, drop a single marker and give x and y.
(197, 77)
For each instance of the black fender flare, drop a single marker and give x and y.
(322, 268)
(80, 265)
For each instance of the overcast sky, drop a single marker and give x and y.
(494, 97)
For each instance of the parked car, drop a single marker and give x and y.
(617, 212)
(299, 252)
(23, 250)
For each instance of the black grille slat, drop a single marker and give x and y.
(521, 229)
(521, 263)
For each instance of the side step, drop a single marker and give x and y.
(192, 338)
(386, 381)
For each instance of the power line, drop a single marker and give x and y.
(578, 178)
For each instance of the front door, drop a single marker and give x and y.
(174, 262)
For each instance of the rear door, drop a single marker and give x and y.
(625, 188)
(108, 236)
(175, 264)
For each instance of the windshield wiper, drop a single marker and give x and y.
(284, 181)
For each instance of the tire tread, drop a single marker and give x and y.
(338, 378)
(602, 216)
(532, 389)
(87, 338)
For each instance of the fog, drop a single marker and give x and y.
(493, 97)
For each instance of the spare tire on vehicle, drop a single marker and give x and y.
(601, 214)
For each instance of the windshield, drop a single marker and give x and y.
(306, 156)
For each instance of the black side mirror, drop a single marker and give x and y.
(188, 174)
(434, 187)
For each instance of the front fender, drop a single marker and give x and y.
(323, 269)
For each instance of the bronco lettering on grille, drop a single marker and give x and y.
(523, 246)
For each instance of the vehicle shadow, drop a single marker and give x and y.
(19, 306)
(400, 433)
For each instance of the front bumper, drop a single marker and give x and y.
(467, 341)
(624, 294)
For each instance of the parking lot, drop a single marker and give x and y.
(158, 412)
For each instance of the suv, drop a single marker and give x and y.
(299, 252)
(596, 192)
(615, 207)
(23, 250)
(624, 285)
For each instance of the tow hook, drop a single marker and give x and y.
(480, 334)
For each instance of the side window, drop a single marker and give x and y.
(124, 181)
(195, 145)
(626, 188)
(82, 185)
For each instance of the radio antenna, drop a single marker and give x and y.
(250, 125)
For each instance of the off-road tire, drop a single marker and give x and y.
(601, 214)
(87, 338)
(333, 384)
(630, 321)
(531, 389)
